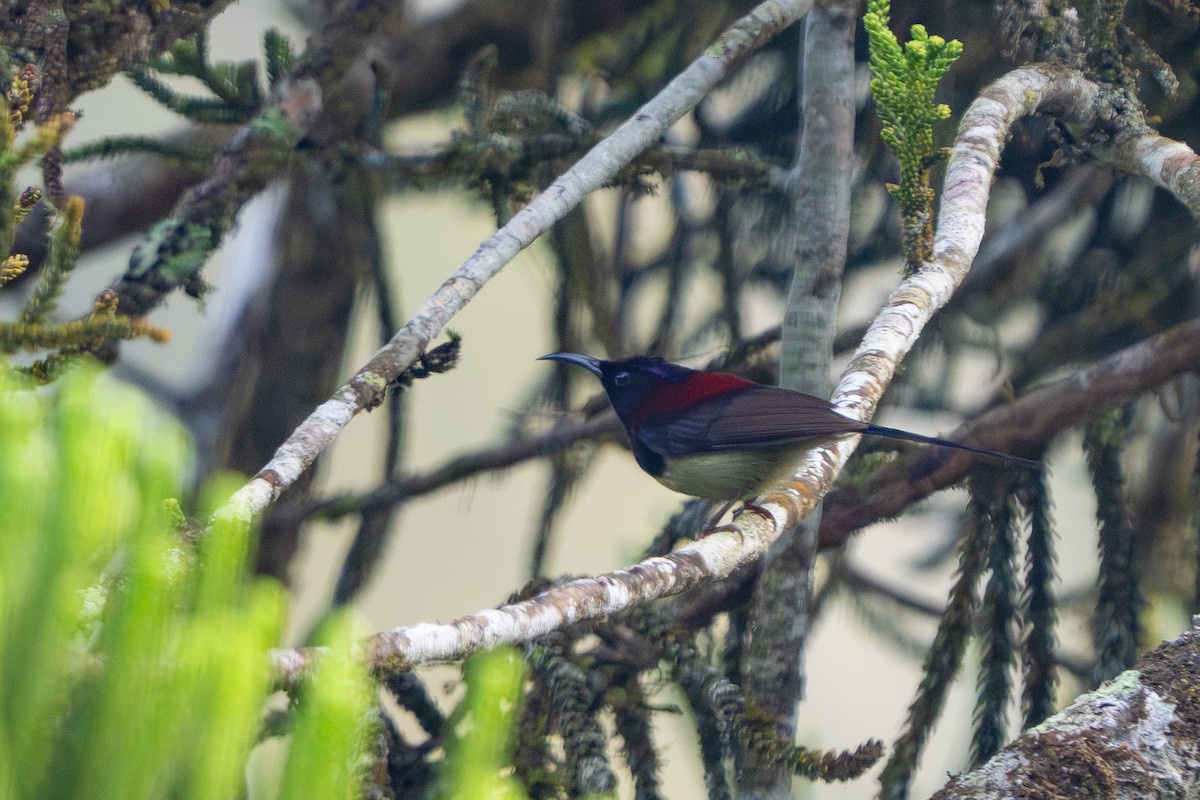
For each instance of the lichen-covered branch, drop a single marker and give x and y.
(1134, 737)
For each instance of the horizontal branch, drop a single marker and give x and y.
(1024, 426)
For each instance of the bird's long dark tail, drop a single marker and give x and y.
(894, 433)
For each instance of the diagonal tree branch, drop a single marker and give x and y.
(982, 133)
(368, 387)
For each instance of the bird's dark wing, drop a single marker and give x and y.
(757, 417)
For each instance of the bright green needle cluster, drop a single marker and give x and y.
(480, 747)
(903, 81)
(336, 720)
(135, 664)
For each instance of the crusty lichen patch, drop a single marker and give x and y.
(1134, 737)
(1172, 671)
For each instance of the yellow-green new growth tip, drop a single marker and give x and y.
(903, 82)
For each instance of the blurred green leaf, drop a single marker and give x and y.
(135, 663)
(480, 744)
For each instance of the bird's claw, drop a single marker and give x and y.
(755, 508)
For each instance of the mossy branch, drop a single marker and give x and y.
(197, 109)
(1039, 608)
(116, 146)
(1117, 626)
(994, 683)
(237, 96)
(944, 658)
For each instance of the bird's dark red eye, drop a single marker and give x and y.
(621, 378)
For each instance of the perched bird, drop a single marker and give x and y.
(720, 436)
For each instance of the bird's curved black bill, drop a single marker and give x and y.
(587, 362)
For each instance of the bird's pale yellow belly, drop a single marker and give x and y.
(740, 474)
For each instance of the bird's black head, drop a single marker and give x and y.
(627, 381)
